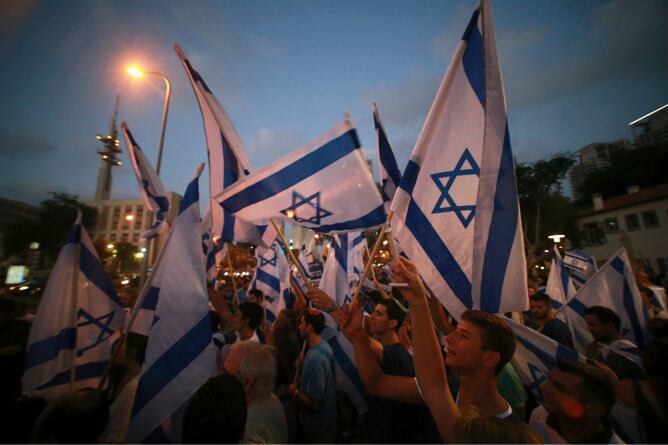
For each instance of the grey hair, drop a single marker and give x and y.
(257, 362)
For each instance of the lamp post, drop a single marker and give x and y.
(136, 72)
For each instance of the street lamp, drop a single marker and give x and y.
(136, 72)
(556, 238)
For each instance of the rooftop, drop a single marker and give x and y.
(617, 202)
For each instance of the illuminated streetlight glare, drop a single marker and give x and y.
(110, 246)
(129, 217)
(134, 71)
(556, 238)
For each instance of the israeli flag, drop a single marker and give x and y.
(559, 285)
(150, 186)
(210, 249)
(456, 211)
(535, 355)
(78, 318)
(387, 164)
(302, 259)
(324, 185)
(228, 161)
(267, 272)
(614, 287)
(582, 264)
(180, 356)
(268, 235)
(335, 282)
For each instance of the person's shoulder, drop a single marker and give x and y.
(539, 415)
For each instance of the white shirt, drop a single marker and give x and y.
(266, 421)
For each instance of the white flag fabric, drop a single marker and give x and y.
(325, 185)
(150, 186)
(212, 250)
(78, 318)
(268, 235)
(390, 175)
(228, 161)
(559, 285)
(582, 264)
(180, 356)
(302, 259)
(335, 282)
(456, 211)
(614, 287)
(535, 355)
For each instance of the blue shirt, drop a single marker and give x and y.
(319, 382)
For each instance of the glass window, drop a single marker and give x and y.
(632, 222)
(650, 219)
(112, 237)
(611, 225)
(594, 233)
(135, 238)
(124, 237)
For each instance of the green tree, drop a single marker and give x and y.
(54, 220)
(544, 209)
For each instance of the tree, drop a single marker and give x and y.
(539, 190)
(644, 166)
(54, 220)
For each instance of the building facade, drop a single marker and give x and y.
(651, 128)
(642, 214)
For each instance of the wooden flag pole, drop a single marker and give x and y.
(301, 356)
(369, 263)
(290, 255)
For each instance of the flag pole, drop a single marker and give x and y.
(290, 255)
(369, 263)
(368, 254)
(234, 283)
(301, 356)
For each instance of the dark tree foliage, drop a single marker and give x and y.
(544, 209)
(54, 220)
(645, 166)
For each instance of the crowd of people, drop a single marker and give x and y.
(427, 377)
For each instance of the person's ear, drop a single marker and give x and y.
(393, 324)
(490, 359)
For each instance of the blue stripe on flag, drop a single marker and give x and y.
(549, 360)
(294, 173)
(374, 218)
(359, 239)
(341, 251)
(230, 163)
(74, 235)
(563, 274)
(47, 349)
(410, 176)
(268, 279)
(190, 196)
(501, 232)
(438, 253)
(474, 57)
(228, 226)
(81, 372)
(196, 76)
(93, 269)
(151, 300)
(172, 362)
(347, 367)
(629, 304)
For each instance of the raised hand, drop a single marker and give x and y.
(405, 272)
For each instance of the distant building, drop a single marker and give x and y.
(590, 158)
(123, 220)
(643, 214)
(652, 128)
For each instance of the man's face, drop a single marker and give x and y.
(601, 332)
(238, 321)
(560, 392)
(380, 322)
(464, 346)
(303, 328)
(540, 309)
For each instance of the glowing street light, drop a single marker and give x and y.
(129, 217)
(110, 246)
(556, 238)
(134, 71)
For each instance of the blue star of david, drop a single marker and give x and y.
(538, 378)
(270, 261)
(445, 188)
(313, 201)
(102, 322)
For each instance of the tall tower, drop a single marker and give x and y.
(109, 151)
